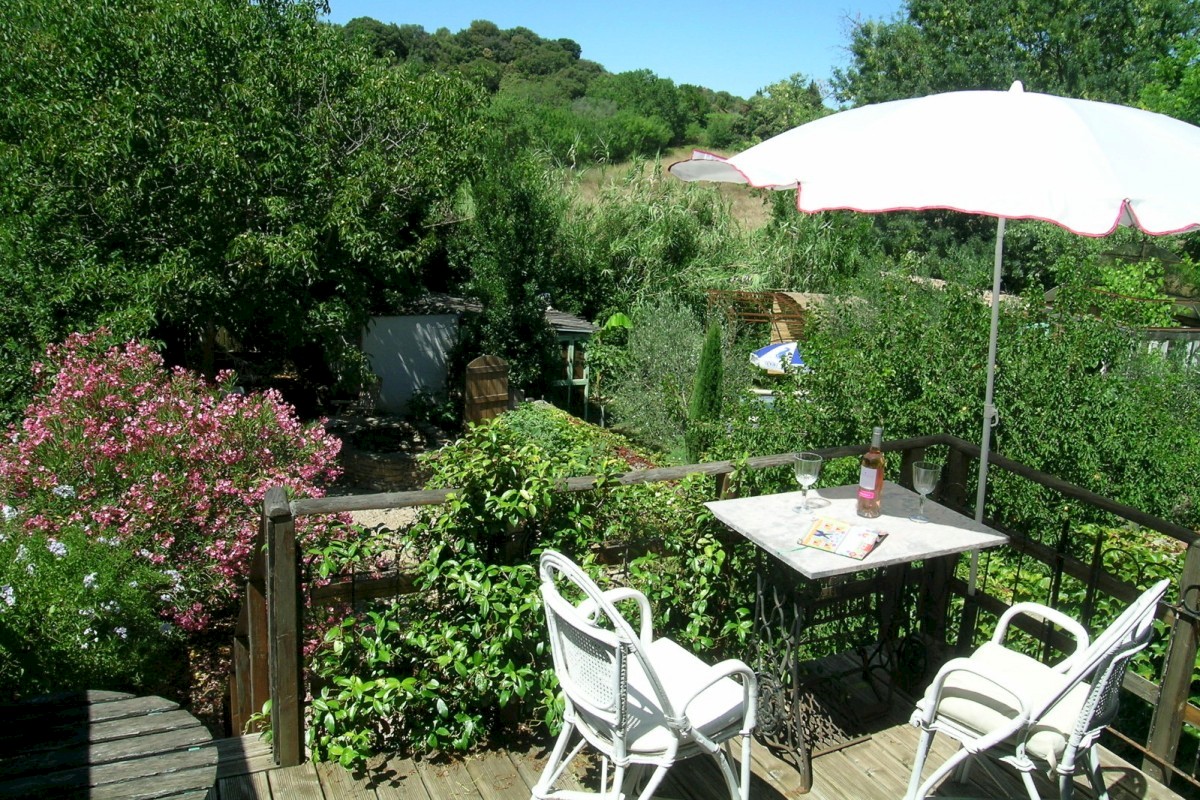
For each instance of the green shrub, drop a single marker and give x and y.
(463, 659)
(171, 467)
(81, 612)
(1078, 397)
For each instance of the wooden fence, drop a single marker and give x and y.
(267, 646)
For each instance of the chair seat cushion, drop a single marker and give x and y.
(981, 707)
(716, 713)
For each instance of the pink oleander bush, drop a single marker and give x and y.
(158, 462)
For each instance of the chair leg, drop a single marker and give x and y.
(556, 763)
(914, 781)
(724, 758)
(1092, 758)
(963, 773)
(1031, 788)
(660, 772)
(918, 789)
(745, 787)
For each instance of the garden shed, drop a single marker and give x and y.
(410, 351)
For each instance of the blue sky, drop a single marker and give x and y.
(735, 47)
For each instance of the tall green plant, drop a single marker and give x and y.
(510, 254)
(704, 410)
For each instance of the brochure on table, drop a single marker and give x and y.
(843, 538)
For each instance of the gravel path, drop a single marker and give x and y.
(394, 518)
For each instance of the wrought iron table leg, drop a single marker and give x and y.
(779, 620)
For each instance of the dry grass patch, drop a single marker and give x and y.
(749, 207)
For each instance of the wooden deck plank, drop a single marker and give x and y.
(117, 720)
(448, 780)
(41, 725)
(295, 783)
(250, 786)
(530, 760)
(175, 784)
(699, 778)
(105, 752)
(772, 769)
(875, 769)
(496, 777)
(240, 755)
(338, 783)
(397, 778)
(35, 707)
(836, 776)
(84, 776)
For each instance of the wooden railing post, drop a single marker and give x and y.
(953, 490)
(283, 620)
(250, 685)
(1167, 723)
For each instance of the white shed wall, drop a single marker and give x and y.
(409, 354)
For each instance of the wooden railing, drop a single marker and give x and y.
(267, 646)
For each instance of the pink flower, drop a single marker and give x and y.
(161, 461)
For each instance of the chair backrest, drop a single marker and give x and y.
(1103, 664)
(590, 659)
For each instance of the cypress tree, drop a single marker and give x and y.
(705, 406)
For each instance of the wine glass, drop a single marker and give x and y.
(807, 467)
(925, 478)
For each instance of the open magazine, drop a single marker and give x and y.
(843, 538)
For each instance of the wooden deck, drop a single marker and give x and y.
(876, 769)
(100, 744)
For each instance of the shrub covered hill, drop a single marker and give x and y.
(575, 109)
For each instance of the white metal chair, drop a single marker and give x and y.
(1022, 712)
(637, 700)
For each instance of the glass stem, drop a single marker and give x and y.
(921, 507)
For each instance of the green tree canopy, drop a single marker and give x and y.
(178, 166)
(782, 106)
(1096, 49)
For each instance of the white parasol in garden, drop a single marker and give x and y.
(774, 356)
(1088, 167)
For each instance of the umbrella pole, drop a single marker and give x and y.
(989, 408)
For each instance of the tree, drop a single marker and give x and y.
(509, 249)
(1175, 87)
(1100, 50)
(782, 106)
(643, 93)
(387, 41)
(704, 410)
(174, 167)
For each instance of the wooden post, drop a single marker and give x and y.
(1167, 723)
(250, 685)
(258, 643)
(953, 489)
(283, 621)
(907, 459)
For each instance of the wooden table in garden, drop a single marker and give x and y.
(100, 744)
(802, 590)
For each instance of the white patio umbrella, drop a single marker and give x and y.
(1088, 167)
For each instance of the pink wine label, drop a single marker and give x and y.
(866, 494)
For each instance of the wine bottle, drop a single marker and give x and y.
(870, 477)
